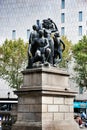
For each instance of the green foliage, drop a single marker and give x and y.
(13, 56)
(67, 52)
(80, 55)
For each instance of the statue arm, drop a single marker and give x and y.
(62, 44)
(47, 44)
(56, 29)
(30, 38)
(29, 50)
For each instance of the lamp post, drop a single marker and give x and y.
(8, 106)
(8, 95)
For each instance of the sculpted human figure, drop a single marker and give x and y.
(51, 46)
(32, 47)
(49, 25)
(38, 24)
(59, 47)
(54, 27)
(45, 44)
(43, 51)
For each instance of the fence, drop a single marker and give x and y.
(6, 120)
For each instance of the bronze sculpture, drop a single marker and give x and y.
(45, 45)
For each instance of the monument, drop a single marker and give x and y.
(45, 101)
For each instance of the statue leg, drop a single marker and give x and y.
(55, 56)
(50, 60)
(60, 56)
(59, 59)
(48, 55)
(29, 62)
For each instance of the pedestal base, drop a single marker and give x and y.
(45, 101)
(59, 125)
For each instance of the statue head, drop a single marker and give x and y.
(34, 27)
(57, 34)
(50, 20)
(38, 22)
(45, 33)
(41, 33)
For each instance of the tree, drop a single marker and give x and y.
(80, 55)
(67, 52)
(13, 57)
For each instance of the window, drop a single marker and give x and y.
(5, 106)
(80, 16)
(80, 30)
(62, 31)
(62, 18)
(62, 4)
(28, 33)
(13, 34)
(81, 90)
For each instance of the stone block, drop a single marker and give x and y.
(58, 116)
(19, 116)
(68, 100)
(47, 117)
(47, 100)
(43, 77)
(23, 108)
(29, 116)
(44, 108)
(58, 100)
(69, 116)
(33, 79)
(63, 108)
(35, 108)
(30, 100)
(71, 108)
(53, 108)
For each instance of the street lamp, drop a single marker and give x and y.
(8, 94)
(8, 105)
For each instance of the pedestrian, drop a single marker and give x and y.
(0, 123)
(79, 121)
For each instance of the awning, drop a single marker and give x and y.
(5, 101)
(80, 104)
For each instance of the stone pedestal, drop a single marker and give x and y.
(45, 101)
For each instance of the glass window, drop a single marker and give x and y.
(62, 18)
(62, 31)
(13, 34)
(28, 33)
(80, 16)
(62, 4)
(5, 106)
(81, 90)
(80, 30)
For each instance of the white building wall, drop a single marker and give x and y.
(20, 15)
(72, 23)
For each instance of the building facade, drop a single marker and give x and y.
(18, 16)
